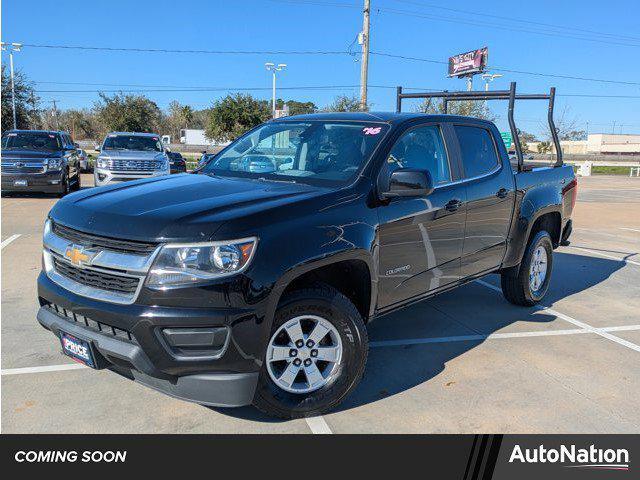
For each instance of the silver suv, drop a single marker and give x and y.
(129, 156)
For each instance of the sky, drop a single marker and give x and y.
(588, 39)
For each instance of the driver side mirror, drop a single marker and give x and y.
(409, 182)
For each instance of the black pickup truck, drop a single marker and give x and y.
(39, 161)
(253, 280)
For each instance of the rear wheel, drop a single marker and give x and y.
(528, 283)
(316, 354)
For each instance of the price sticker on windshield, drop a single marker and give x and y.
(371, 130)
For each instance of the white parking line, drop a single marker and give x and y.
(496, 336)
(9, 240)
(318, 426)
(598, 331)
(47, 368)
(605, 255)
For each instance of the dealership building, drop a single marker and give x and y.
(598, 144)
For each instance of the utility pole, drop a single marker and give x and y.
(12, 47)
(364, 67)
(273, 68)
(54, 113)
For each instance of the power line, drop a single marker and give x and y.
(500, 69)
(513, 19)
(195, 89)
(211, 52)
(317, 52)
(463, 21)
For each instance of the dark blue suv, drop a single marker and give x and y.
(39, 161)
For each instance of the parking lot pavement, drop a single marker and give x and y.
(465, 361)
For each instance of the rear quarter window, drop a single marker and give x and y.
(478, 150)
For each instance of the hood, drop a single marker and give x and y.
(182, 207)
(18, 153)
(132, 155)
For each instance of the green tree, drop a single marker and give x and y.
(128, 113)
(345, 103)
(525, 138)
(26, 101)
(233, 115)
(468, 108)
(295, 107)
(544, 147)
(82, 124)
(178, 117)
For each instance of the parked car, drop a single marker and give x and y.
(129, 156)
(204, 158)
(85, 164)
(176, 162)
(39, 161)
(236, 286)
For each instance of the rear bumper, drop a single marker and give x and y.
(215, 389)
(48, 182)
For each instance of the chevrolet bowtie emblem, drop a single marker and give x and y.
(78, 255)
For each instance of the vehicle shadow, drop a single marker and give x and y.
(392, 370)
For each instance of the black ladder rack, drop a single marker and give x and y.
(497, 95)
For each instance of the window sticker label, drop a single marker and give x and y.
(371, 130)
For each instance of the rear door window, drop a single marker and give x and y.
(478, 150)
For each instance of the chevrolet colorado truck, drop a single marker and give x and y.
(253, 280)
(39, 161)
(130, 156)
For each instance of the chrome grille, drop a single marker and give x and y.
(97, 279)
(23, 167)
(90, 240)
(123, 165)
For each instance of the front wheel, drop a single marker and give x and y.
(528, 283)
(64, 186)
(316, 354)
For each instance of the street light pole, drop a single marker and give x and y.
(13, 47)
(488, 78)
(273, 68)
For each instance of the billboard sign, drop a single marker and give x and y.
(468, 63)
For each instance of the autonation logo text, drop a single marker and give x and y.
(573, 457)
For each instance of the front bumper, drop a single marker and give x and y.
(103, 176)
(215, 389)
(47, 182)
(132, 339)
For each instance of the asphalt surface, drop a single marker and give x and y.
(463, 362)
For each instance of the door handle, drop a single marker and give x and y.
(502, 193)
(453, 205)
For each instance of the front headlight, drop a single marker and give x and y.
(190, 263)
(102, 162)
(54, 163)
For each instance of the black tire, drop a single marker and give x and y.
(65, 188)
(76, 184)
(515, 282)
(326, 302)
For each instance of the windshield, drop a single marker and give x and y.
(132, 142)
(31, 141)
(309, 152)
